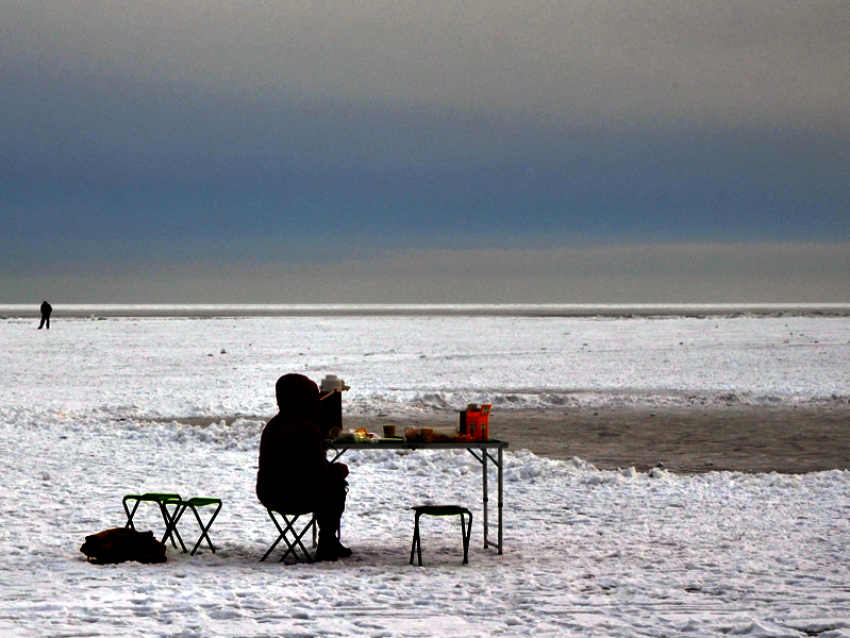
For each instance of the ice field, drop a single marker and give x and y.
(89, 411)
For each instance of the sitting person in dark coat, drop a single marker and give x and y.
(294, 474)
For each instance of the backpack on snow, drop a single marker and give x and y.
(121, 544)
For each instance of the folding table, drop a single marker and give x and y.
(481, 450)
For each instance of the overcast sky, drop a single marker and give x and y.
(276, 152)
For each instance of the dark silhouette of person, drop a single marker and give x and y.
(294, 475)
(46, 309)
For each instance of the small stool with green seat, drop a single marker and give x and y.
(193, 504)
(441, 510)
(163, 499)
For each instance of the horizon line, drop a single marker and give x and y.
(200, 310)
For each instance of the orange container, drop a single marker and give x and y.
(477, 421)
(484, 421)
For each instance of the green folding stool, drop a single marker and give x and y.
(193, 504)
(164, 500)
(441, 510)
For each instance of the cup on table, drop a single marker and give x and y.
(427, 433)
(389, 431)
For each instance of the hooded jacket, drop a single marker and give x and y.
(294, 474)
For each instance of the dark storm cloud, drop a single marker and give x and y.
(266, 133)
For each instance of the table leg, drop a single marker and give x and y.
(484, 483)
(500, 500)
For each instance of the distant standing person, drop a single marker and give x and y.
(46, 309)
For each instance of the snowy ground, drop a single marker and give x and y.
(587, 552)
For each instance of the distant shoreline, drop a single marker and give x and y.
(426, 310)
(684, 439)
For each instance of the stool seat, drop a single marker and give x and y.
(202, 501)
(441, 510)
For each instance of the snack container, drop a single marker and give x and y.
(439, 434)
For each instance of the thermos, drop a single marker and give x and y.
(330, 403)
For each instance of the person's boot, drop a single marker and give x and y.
(325, 553)
(327, 549)
(341, 550)
(331, 549)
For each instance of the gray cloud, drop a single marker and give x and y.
(267, 152)
(674, 273)
(602, 60)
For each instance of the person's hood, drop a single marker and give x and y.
(298, 397)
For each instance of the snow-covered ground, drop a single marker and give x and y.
(86, 415)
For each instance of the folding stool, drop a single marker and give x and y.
(163, 499)
(441, 510)
(288, 530)
(194, 504)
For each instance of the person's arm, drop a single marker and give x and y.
(318, 451)
(339, 471)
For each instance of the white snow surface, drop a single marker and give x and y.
(89, 412)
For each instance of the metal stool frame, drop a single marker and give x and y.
(293, 546)
(163, 499)
(441, 510)
(194, 504)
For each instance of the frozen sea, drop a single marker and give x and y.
(90, 411)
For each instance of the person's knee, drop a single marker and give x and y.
(339, 471)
